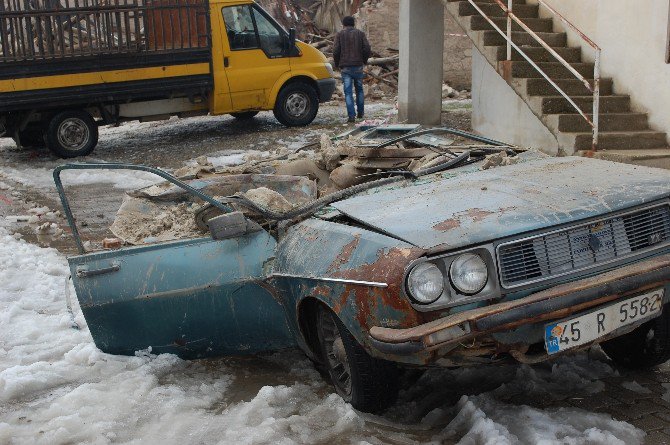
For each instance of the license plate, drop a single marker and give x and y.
(566, 334)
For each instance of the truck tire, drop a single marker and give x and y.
(72, 133)
(297, 105)
(244, 115)
(645, 347)
(369, 384)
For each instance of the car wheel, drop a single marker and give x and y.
(369, 384)
(72, 133)
(645, 347)
(297, 105)
(244, 115)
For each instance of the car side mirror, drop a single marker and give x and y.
(231, 225)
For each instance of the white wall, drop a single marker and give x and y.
(633, 35)
(499, 113)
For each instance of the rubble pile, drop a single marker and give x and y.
(283, 179)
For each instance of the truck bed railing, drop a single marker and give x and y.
(56, 29)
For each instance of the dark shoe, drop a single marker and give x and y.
(360, 115)
(351, 120)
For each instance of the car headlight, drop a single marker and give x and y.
(329, 67)
(468, 273)
(425, 283)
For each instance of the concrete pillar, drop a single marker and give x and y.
(421, 44)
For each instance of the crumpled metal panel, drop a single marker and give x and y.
(467, 206)
(316, 249)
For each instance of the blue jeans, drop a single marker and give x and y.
(353, 76)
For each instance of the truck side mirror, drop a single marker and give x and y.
(231, 225)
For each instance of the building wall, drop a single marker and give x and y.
(499, 113)
(633, 36)
(380, 22)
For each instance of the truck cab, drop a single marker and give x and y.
(105, 64)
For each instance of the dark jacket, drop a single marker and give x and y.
(351, 48)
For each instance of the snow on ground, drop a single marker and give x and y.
(56, 387)
(42, 178)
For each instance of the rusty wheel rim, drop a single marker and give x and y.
(73, 134)
(336, 355)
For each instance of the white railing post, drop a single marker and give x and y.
(509, 30)
(596, 98)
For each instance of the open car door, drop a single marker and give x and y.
(194, 298)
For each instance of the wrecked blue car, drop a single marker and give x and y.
(448, 266)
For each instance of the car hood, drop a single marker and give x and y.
(469, 206)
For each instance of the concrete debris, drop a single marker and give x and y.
(330, 158)
(194, 171)
(268, 199)
(347, 175)
(498, 160)
(141, 221)
(309, 169)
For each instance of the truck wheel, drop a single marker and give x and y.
(645, 347)
(297, 105)
(72, 133)
(245, 115)
(369, 384)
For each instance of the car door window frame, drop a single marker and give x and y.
(283, 35)
(113, 166)
(253, 10)
(253, 22)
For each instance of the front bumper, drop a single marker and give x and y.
(326, 89)
(550, 304)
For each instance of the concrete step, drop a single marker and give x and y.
(493, 10)
(492, 38)
(479, 23)
(555, 70)
(651, 157)
(559, 105)
(572, 87)
(539, 54)
(622, 140)
(573, 123)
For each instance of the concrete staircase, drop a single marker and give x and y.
(624, 136)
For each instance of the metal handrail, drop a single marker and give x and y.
(595, 89)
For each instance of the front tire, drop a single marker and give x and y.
(369, 384)
(645, 347)
(297, 105)
(72, 133)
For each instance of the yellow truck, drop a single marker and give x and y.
(70, 66)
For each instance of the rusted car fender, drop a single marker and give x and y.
(355, 272)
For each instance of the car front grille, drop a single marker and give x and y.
(583, 246)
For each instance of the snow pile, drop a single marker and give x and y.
(42, 178)
(482, 419)
(56, 387)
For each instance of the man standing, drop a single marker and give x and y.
(351, 52)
